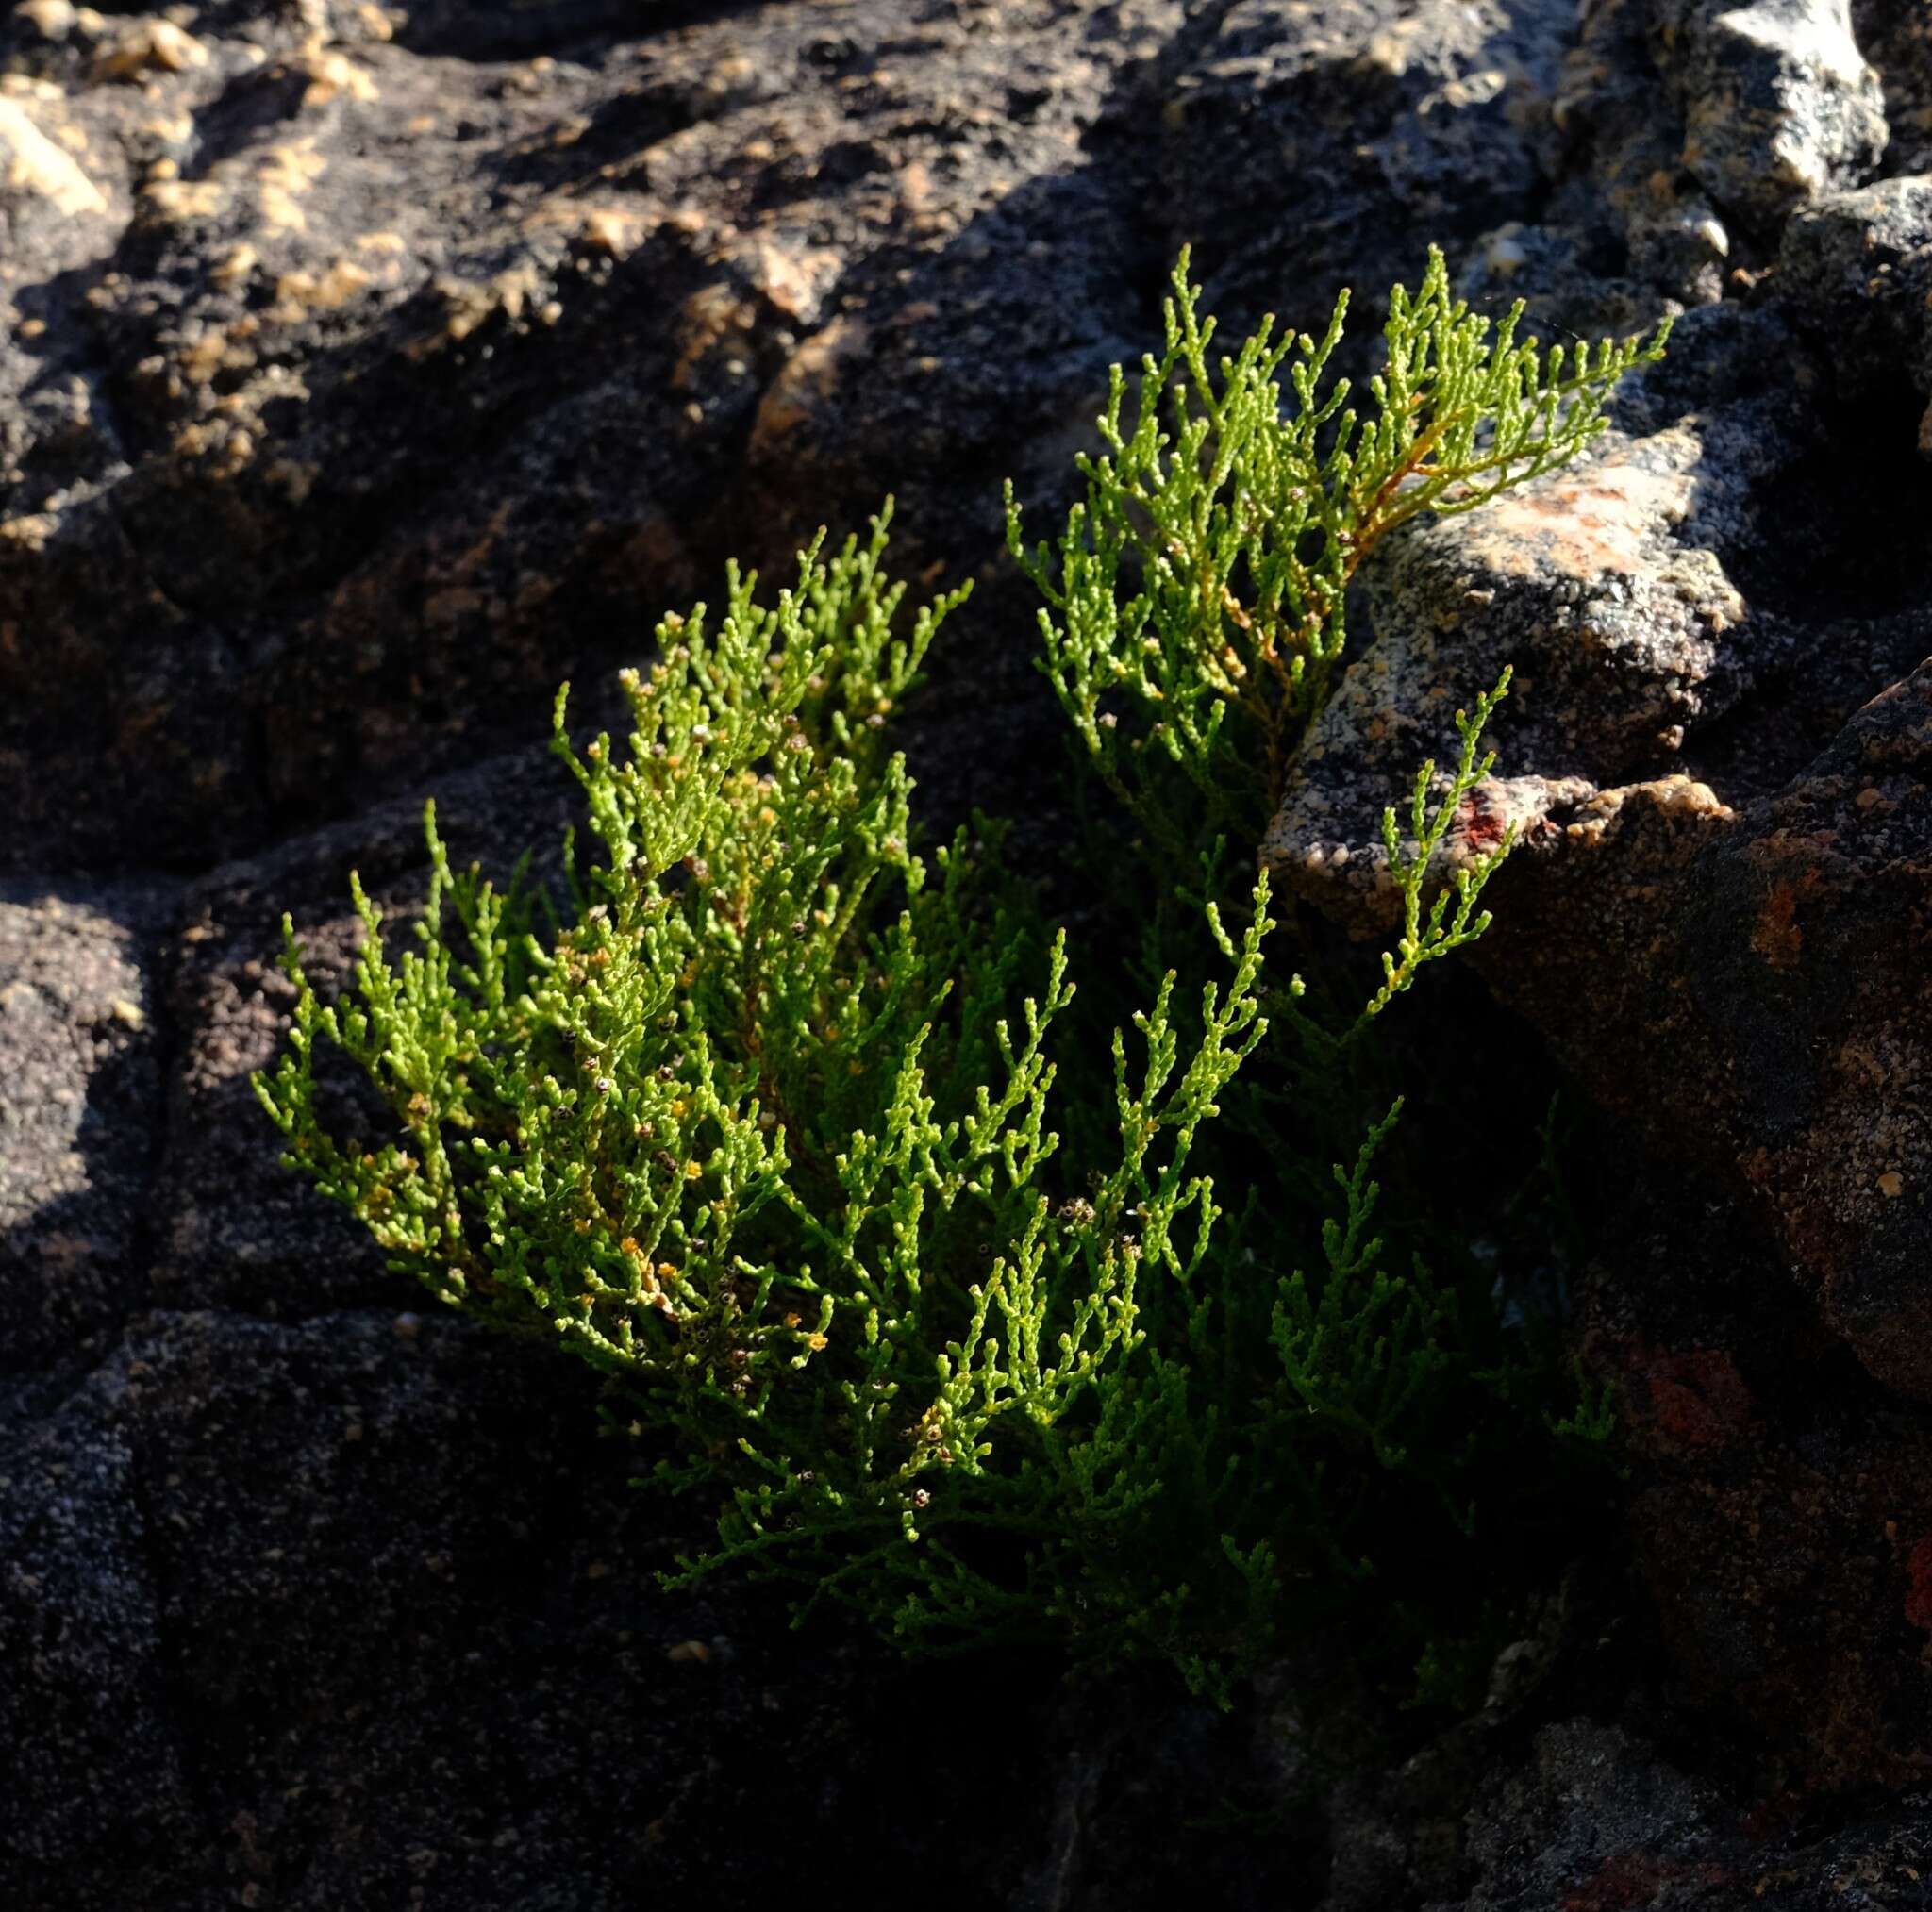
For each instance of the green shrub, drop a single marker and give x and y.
(764, 1118)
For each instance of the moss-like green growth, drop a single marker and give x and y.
(764, 1121)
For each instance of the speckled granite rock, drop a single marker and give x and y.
(1896, 37)
(1780, 103)
(1704, 123)
(1748, 982)
(1595, 1821)
(1715, 761)
(1857, 268)
(1611, 587)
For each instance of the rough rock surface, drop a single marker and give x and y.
(1772, 953)
(1702, 123)
(1714, 759)
(1593, 1820)
(1779, 102)
(1894, 35)
(398, 370)
(1779, 1499)
(1855, 270)
(81, 1120)
(366, 369)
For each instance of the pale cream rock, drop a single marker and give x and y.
(147, 45)
(32, 165)
(55, 18)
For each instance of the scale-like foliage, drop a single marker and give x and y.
(1193, 611)
(752, 1133)
(762, 1121)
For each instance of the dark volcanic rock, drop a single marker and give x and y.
(1704, 123)
(235, 1229)
(1774, 959)
(1896, 36)
(81, 1113)
(1594, 1821)
(1332, 138)
(1778, 1499)
(1856, 267)
(359, 1613)
(383, 386)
